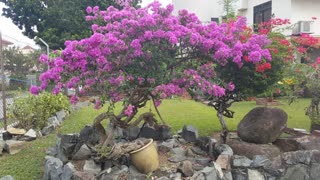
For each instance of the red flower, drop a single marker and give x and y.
(314, 18)
(246, 58)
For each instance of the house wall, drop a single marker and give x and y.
(304, 10)
(204, 9)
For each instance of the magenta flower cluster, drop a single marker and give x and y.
(147, 48)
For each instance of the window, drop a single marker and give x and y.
(262, 13)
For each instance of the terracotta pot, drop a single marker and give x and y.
(146, 158)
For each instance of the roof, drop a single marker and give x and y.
(28, 47)
(6, 42)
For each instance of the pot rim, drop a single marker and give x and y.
(143, 147)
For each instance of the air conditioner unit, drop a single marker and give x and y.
(303, 27)
(243, 5)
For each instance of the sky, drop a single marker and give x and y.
(12, 33)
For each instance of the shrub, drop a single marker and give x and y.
(33, 111)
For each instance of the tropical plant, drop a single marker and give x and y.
(137, 55)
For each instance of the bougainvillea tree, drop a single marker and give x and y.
(137, 55)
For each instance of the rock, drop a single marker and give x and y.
(198, 176)
(177, 158)
(167, 145)
(53, 168)
(287, 144)
(54, 121)
(175, 176)
(68, 143)
(2, 144)
(16, 131)
(89, 136)
(255, 175)
(203, 161)
(297, 157)
(7, 177)
(78, 175)
(92, 167)
(223, 149)
(198, 151)
(160, 133)
(68, 171)
(218, 170)
(178, 151)
(189, 133)
(6, 136)
(296, 172)
(228, 176)
(83, 153)
(241, 161)
(308, 142)
(134, 171)
(186, 169)
(250, 149)
(210, 173)
(239, 174)
(30, 135)
(131, 132)
(14, 146)
(262, 125)
(47, 130)
(206, 143)
(260, 161)
(224, 161)
(190, 153)
(315, 171)
(61, 115)
(162, 178)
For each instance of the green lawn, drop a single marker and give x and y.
(28, 164)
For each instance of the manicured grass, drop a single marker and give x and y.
(28, 164)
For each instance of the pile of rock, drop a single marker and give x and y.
(14, 139)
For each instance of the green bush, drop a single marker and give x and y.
(33, 111)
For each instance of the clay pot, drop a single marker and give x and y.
(146, 158)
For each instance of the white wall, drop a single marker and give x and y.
(204, 9)
(305, 10)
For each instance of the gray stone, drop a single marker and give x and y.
(131, 132)
(241, 161)
(156, 133)
(67, 144)
(177, 158)
(133, 170)
(2, 144)
(7, 177)
(89, 136)
(203, 160)
(206, 143)
(255, 175)
(210, 173)
(83, 153)
(61, 115)
(175, 176)
(238, 174)
(260, 161)
(53, 121)
(315, 171)
(296, 172)
(78, 175)
(178, 151)
(186, 169)
(30, 135)
(167, 145)
(198, 151)
(262, 125)
(163, 178)
(92, 167)
(47, 130)
(223, 149)
(6, 135)
(14, 146)
(218, 170)
(228, 176)
(68, 171)
(296, 157)
(53, 168)
(123, 170)
(198, 176)
(189, 133)
(287, 144)
(138, 177)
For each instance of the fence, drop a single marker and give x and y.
(14, 88)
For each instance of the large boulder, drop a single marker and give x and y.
(262, 125)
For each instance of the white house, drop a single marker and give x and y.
(256, 11)
(6, 43)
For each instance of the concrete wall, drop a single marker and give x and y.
(304, 10)
(204, 9)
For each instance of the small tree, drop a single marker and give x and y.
(136, 55)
